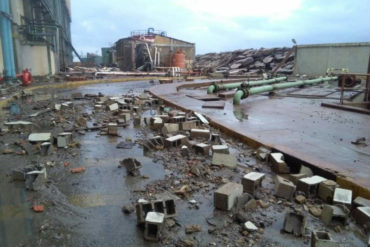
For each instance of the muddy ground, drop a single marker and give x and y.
(85, 209)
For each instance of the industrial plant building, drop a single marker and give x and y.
(35, 35)
(151, 48)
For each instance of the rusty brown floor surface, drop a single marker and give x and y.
(295, 126)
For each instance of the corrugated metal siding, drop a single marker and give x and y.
(315, 60)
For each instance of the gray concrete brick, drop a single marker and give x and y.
(225, 196)
(112, 129)
(362, 216)
(200, 133)
(153, 226)
(294, 223)
(326, 190)
(278, 164)
(310, 185)
(284, 188)
(334, 215)
(322, 239)
(252, 182)
(342, 196)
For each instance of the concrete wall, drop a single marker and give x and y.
(315, 60)
(36, 59)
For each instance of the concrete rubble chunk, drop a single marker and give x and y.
(202, 148)
(200, 133)
(225, 196)
(262, 153)
(216, 139)
(342, 196)
(250, 227)
(19, 125)
(278, 164)
(310, 185)
(322, 239)
(326, 190)
(113, 107)
(39, 137)
(45, 148)
(170, 128)
(170, 208)
(334, 215)
(143, 207)
(245, 202)
(201, 118)
(188, 125)
(294, 223)
(284, 188)
(361, 202)
(295, 177)
(112, 129)
(224, 149)
(153, 226)
(252, 182)
(175, 141)
(220, 159)
(64, 139)
(132, 166)
(362, 216)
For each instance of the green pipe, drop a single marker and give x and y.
(245, 92)
(219, 87)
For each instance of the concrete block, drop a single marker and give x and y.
(322, 239)
(310, 185)
(202, 148)
(362, 216)
(132, 166)
(40, 137)
(156, 123)
(252, 182)
(228, 160)
(19, 126)
(262, 153)
(170, 128)
(159, 206)
(225, 196)
(175, 141)
(306, 170)
(153, 226)
(326, 190)
(188, 125)
(112, 129)
(185, 151)
(143, 207)
(334, 215)
(223, 149)
(170, 208)
(361, 202)
(295, 177)
(342, 196)
(177, 119)
(278, 164)
(113, 107)
(200, 133)
(46, 148)
(126, 116)
(245, 202)
(64, 139)
(284, 188)
(294, 223)
(137, 121)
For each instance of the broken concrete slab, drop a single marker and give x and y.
(201, 118)
(278, 164)
(310, 185)
(252, 182)
(284, 188)
(225, 196)
(40, 137)
(322, 239)
(294, 223)
(342, 196)
(220, 159)
(153, 226)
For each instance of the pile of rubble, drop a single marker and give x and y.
(246, 62)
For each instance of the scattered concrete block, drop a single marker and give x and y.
(310, 185)
(334, 215)
(156, 123)
(284, 188)
(170, 128)
(175, 141)
(342, 196)
(159, 207)
(113, 107)
(126, 116)
(202, 148)
(177, 119)
(326, 190)
(153, 226)
(295, 177)
(262, 153)
(170, 208)
(278, 164)
(188, 125)
(245, 202)
(112, 129)
(228, 160)
(252, 182)
(225, 196)
(184, 151)
(362, 216)
(322, 239)
(137, 121)
(250, 227)
(223, 149)
(361, 202)
(132, 166)
(200, 133)
(45, 148)
(64, 139)
(19, 126)
(143, 207)
(201, 118)
(294, 223)
(306, 170)
(39, 137)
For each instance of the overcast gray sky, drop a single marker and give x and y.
(221, 25)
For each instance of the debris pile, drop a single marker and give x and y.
(246, 62)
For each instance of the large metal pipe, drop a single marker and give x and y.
(219, 87)
(245, 92)
(6, 39)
